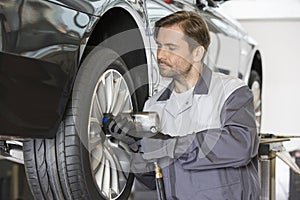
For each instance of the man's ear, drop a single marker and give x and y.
(198, 53)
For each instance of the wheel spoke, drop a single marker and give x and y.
(106, 178)
(114, 180)
(94, 144)
(109, 91)
(95, 127)
(101, 96)
(121, 160)
(120, 103)
(116, 91)
(97, 111)
(100, 173)
(95, 130)
(94, 120)
(97, 154)
(127, 105)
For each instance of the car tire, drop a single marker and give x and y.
(68, 166)
(255, 84)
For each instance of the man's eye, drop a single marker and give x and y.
(172, 48)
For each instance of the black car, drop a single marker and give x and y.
(64, 63)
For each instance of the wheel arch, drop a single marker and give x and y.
(111, 29)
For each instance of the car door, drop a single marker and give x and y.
(224, 51)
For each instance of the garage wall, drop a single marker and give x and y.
(279, 40)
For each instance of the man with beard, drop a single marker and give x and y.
(208, 143)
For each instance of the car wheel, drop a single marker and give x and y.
(255, 85)
(81, 162)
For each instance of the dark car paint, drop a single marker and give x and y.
(38, 64)
(93, 7)
(32, 96)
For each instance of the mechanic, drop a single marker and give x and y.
(208, 142)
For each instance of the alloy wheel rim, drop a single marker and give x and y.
(256, 90)
(109, 159)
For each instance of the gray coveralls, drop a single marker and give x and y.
(215, 155)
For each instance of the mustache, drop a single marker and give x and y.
(160, 62)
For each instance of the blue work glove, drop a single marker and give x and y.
(158, 146)
(121, 129)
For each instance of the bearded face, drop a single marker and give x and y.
(173, 53)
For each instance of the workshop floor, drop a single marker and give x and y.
(13, 185)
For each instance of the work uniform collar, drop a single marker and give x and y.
(201, 87)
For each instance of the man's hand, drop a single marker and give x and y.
(119, 128)
(158, 146)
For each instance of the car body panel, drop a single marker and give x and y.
(86, 6)
(30, 102)
(223, 36)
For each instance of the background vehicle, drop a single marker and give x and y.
(63, 63)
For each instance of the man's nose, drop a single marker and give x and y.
(161, 54)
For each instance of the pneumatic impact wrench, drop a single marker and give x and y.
(146, 124)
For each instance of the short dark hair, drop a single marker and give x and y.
(192, 25)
